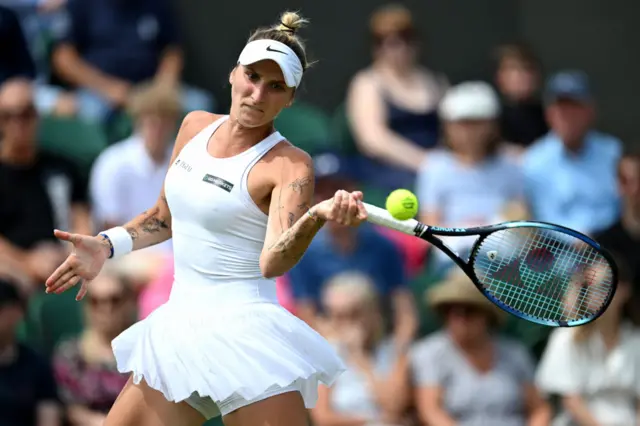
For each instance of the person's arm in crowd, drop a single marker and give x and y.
(324, 415)
(82, 416)
(48, 413)
(366, 113)
(170, 67)
(172, 60)
(577, 407)
(78, 72)
(11, 251)
(391, 391)
(429, 192)
(428, 376)
(81, 219)
(430, 410)
(539, 411)
(69, 64)
(405, 316)
(37, 263)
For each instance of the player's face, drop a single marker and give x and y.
(258, 93)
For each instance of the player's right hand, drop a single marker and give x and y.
(87, 257)
(344, 207)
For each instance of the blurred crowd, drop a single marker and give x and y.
(423, 346)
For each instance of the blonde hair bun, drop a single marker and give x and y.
(291, 22)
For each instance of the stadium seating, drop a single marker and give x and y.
(77, 140)
(306, 126)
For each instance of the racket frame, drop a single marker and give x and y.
(431, 233)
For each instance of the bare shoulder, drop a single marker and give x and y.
(291, 156)
(363, 79)
(192, 124)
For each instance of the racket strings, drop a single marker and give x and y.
(544, 274)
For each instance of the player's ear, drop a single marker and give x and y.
(293, 97)
(231, 75)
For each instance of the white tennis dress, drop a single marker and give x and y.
(222, 340)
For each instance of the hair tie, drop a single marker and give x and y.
(288, 28)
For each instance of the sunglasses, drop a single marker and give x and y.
(26, 113)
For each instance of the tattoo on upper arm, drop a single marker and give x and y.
(300, 184)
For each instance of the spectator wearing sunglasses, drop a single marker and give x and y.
(85, 368)
(28, 395)
(38, 191)
(392, 104)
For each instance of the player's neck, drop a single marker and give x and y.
(19, 154)
(241, 137)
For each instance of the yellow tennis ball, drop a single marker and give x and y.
(402, 204)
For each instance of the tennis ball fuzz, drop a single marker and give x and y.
(402, 204)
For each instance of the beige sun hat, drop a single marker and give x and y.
(457, 288)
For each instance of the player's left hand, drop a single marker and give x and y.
(344, 207)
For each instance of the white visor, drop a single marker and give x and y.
(280, 53)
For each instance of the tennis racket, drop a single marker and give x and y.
(537, 271)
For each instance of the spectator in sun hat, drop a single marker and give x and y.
(570, 173)
(467, 358)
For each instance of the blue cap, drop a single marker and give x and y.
(569, 84)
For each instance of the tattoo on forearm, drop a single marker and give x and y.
(148, 223)
(294, 241)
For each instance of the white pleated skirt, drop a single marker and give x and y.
(226, 340)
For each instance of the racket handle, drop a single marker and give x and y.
(383, 218)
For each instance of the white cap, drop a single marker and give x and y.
(280, 53)
(473, 100)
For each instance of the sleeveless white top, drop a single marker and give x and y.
(218, 231)
(222, 333)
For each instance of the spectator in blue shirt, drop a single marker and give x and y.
(570, 173)
(339, 249)
(106, 46)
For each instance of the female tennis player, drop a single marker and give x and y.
(236, 202)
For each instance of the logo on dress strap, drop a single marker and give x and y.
(219, 182)
(183, 165)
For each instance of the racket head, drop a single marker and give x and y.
(544, 273)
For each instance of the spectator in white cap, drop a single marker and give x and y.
(471, 182)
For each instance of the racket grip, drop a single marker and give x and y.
(383, 218)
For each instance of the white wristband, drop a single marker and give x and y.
(121, 241)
